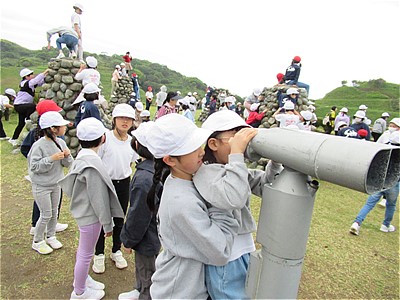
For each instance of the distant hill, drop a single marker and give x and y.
(150, 74)
(380, 96)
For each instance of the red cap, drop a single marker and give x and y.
(297, 59)
(47, 105)
(362, 133)
(279, 76)
(134, 75)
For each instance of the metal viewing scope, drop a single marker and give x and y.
(287, 204)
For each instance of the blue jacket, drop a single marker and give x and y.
(87, 109)
(362, 125)
(292, 73)
(140, 229)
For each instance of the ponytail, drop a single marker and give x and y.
(160, 175)
(47, 132)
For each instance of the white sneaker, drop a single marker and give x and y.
(13, 142)
(389, 228)
(382, 203)
(42, 247)
(28, 178)
(355, 229)
(98, 264)
(61, 55)
(32, 231)
(132, 295)
(93, 284)
(119, 260)
(61, 227)
(73, 55)
(54, 243)
(89, 294)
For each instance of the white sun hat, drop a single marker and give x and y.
(362, 106)
(223, 120)
(344, 109)
(91, 61)
(289, 105)
(360, 114)
(24, 72)
(306, 114)
(52, 118)
(141, 133)
(90, 129)
(291, 91)
(91, 88)
(254, 106)
(123, 110)
(175, 135)
(10, 92)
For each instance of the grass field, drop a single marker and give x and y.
(337, 265)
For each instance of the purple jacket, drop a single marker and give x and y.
(24, 97)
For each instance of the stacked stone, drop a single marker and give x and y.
(61, 86)
(122, 94)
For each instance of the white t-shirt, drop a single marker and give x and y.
(161, 96)
(75, 19)
(287, 119)
(88, 75)
(117, 156)
(149, 95)
(4, 100)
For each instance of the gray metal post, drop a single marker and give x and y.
(287, 205)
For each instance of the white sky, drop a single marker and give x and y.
(230, 44)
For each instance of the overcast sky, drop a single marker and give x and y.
(230, 44)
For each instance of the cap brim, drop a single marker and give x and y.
(63, 123)
(177, 97)
(196, 140)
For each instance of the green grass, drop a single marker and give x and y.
(337, 265)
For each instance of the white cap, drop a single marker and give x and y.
(223, 120)
(311, 107)
(395, 121)
(344, 109)
(175, 135)
(306, 114)
(362, 106)
(360, 114)
(340, 124)
(178, 92)
(122, 64)
(163, 88)
(91, 88)
(254, 106)
(50, 119)
(289, 105)
(90, 129)
(145, 113)
(256, 92)
(189, 93)
(385, 114)
(123, 110)
(79, 99)
(24, 72)
(117, 66)
(230, 99)
(139, 106)
(291, 91)
(194, 93)
(133, 94)
(184, 101)
(394, 137)
(141, 133)
(91, 61)
(10, 92)
(78, 5)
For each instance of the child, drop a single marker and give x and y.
(94, 203)
(305, 118)
(140, 228)
(186, 110)
(88, 108)
(117, 156)
(46, 160)
(9, 96)
(34, 134)
(169, 105)
(255, 117)
(222, 182)
(145, 116)
(289, 117)
(191, 234)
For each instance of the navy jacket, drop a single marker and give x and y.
(292, 73)
(140, 229)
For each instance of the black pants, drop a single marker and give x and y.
(36, 211)
(2, 132)
(145, 266)
(24, 111)
(122, 189)
(376, 135)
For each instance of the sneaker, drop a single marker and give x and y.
(32, 231)
(389, 228)
(119, 260)
(28, 178)
(42, 247)
(382, 203)
(89, 294)
(355, 229)
(61, 227)
(4, 138)
(54, 243)
(13, 142)
(61, 55)
(132, 295)
(73, 55)
(93, 284)
(98, 264)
